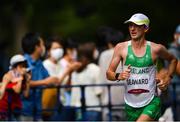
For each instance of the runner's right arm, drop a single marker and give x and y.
(117, 57)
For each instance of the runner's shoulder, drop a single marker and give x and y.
(122, 45)
(157, 47)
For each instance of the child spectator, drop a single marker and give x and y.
(15, 81)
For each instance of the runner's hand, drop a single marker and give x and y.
(124, 75)
(163, 80)
(163, 83)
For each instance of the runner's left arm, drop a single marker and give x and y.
(164, 54)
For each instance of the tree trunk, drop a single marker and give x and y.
(20, 28)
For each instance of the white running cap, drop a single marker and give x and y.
(139, 19)
(17, 59)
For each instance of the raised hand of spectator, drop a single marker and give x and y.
(75, 66)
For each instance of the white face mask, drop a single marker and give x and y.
(57, 53)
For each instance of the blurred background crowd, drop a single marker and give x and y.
(53, 35)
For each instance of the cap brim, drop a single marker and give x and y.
(130, 21)
(127, 21)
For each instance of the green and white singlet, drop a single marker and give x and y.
(141, 85)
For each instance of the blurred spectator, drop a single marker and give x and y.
(55, 50)
(34, 49)
(102, 33)
(175, 50)
(70, 55)
(87, 74)
(70, 52)
(95, 52)
(15, 81)
(117, 92)
(167, 97)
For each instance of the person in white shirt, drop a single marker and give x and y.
(87, 74)
(70, 52)
(70, 56)
(117, 92)
(55, 52)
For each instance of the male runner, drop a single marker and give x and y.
(139, 58)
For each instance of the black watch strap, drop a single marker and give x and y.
(117, 75)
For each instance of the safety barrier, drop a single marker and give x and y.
(83, 98)
(83, 103)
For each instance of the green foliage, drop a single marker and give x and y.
(81, 18)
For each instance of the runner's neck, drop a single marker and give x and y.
(137, 44)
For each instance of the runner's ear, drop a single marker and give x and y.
(146, 28)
